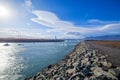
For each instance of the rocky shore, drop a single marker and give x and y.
(83, 63)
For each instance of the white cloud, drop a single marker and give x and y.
(57, 26)
(110, 26)
(95, 21)
(49, 19)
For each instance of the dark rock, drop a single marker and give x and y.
(79, 66)
(103, 77)
(79, 75)
(28, 78)
(67, 57)
(60, 78)
(100, 65)
(69, 67)
(86, 72)
(89, 67)
(105, 68)
(50, 66)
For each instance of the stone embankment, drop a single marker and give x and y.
(83, 63)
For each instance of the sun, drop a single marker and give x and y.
(4, 12)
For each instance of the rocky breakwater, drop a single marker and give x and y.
(81, 64)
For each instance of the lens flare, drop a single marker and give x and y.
(5, 12)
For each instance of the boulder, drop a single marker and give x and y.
(92, 77)
(98, 72)
(70, 71)
(86, 72)
(79, 76)
(60, 78)
(112, 71)
(106, 64)
(86, 78)
(41, 77)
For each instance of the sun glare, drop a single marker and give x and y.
(4, 12)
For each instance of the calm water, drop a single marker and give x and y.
(21, 60)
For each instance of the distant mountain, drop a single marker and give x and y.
(105, 37)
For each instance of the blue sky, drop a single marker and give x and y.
(61, 18)
(82, 10)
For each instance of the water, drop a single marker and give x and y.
(21, 60)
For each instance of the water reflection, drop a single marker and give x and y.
(21, 60)
(10, 64)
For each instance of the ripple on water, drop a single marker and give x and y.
(20, 61)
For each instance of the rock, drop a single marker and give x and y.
(86, 72)
(115, 72)
(84, 61)
(93, 54)
(78, 52)
(79, 66)
(118, 68)
(96, 59)
(103, 77)
(67, 57)
(106, 64)
(75, 64)
(98, 72)
(55, 72)
(92, 78)
(86, 78)
(70, 71)
(112, 71)
(78, 75)
(39, 73)
(49, 66)
(95, 51)
(105, 68)
(102, 57)
(48, 72)
(55, 76)
(60, 78)
(89, 67)
(88, 63)
(82, 64)
(70, 67)
(41, 77)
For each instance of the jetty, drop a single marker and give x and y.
(83, 63)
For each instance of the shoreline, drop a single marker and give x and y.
(20, 40)
(82, 63)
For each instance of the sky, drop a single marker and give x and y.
(61, 18)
